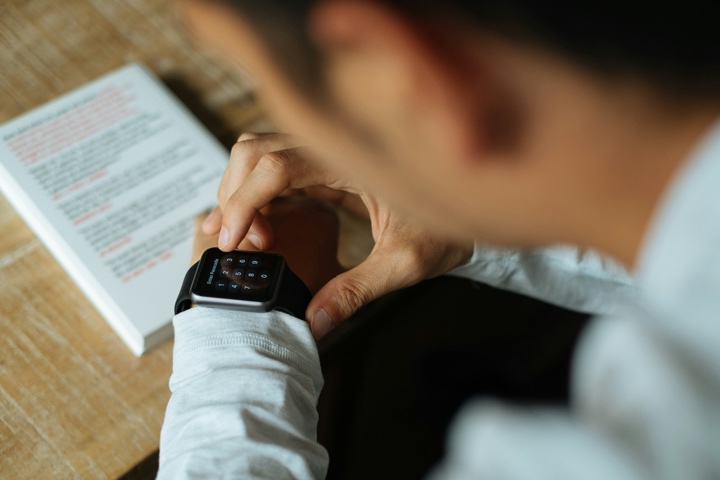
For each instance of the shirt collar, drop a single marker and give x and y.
(678, 268)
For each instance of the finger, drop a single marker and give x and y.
(265, 182)
(202, 240)
(290, 141)
(340, 298)
(211, 224)
(201, 217)
(245, 155)
(260, 233)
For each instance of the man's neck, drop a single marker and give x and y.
(646, 164)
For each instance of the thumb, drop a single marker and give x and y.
(342, 296)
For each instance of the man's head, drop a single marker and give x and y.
(516, 122)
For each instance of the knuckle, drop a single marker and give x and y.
(234, 202)
(242, 150)
(275, 163)
(352, 295)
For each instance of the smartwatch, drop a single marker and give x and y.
(243, 280)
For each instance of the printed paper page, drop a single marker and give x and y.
(111, 177)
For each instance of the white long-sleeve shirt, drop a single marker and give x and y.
(645, 384)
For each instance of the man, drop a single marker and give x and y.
(509, 124)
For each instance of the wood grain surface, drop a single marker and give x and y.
(74, 401)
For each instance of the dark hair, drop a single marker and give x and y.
(674, 46)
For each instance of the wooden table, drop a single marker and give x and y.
(74, 401)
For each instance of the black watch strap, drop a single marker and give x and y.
(294, 296)
(183, 301)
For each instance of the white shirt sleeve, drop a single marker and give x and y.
(244, 394)
(567, 276)
(490, 440)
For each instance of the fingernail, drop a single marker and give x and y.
(255, 240)
(321, 324)
(224, 237)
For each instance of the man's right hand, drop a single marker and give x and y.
(263, 167)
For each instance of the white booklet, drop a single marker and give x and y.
(110, 177)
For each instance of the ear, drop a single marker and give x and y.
(388, 70)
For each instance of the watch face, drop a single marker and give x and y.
(237, 278)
